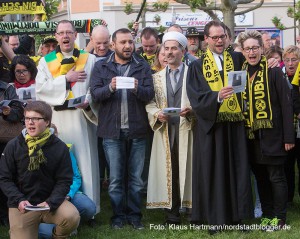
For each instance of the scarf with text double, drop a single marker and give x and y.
(36, 155)
(258, 114)
(58, 65)
(230, 109)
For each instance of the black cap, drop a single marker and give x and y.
(192, 32)
(49, 39)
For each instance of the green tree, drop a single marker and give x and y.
(155, 7)
(227, 7)
(292, 12)
(51, 7)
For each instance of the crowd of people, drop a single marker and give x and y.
(161, 119)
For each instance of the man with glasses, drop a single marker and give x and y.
(63, 75)
(221, 191)
(35, 175)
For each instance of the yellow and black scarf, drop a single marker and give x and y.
(58, 65)
(149, 59)
(36, 155)
(258, 114)
(296, 79)
(230, 109)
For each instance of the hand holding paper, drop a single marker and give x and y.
(172, 111)
(125, 82)
(237, 79)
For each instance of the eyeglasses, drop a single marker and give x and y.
(65, 33)
(293, 60)
(21, 72)
(216, 38)
(254, 49)
(33, 119)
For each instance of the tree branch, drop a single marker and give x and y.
(251, 8)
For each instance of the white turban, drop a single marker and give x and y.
(175, 36)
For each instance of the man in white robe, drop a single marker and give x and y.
(170, 173)
(62, 75)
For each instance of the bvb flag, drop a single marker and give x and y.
(23, 7)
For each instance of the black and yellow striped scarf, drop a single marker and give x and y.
(230, 109)
(258, 114)
(36, 155)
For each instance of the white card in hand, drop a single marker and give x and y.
(76, 101)
(238, 80)
(125, 82)
(172, 111)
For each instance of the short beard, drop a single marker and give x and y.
(123, 57)
(193, 48)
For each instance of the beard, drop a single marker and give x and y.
(193, 48)
(122, 56)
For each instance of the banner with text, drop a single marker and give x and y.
(22, 7)
(195, 19)
(48, 27)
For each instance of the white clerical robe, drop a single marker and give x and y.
(73, 126)
(159, 194)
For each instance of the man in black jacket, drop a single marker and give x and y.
(123, 124)
(36, 170)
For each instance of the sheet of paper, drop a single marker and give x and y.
(125, 82)
(238, 80)
(172, 111)
(76, 101)
(26, 93)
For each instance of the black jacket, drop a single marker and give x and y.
(272, 140)
(8, 92)
(109, 111)
(50, 183)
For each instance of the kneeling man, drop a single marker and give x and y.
(36, 170)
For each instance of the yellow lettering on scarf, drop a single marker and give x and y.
(258, 87)
(261, 115)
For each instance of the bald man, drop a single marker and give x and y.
(100, 40)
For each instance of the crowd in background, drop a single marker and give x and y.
(178, 132)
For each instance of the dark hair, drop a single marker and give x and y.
(121, 30)
(227, 30)
(40, 107)
(64, 22)
(25, 61)
(210, 24)
(272, 50)
(147, 32)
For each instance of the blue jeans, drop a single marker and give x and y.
(85, 206)
(125, 159)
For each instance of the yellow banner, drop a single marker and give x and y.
(22, 7)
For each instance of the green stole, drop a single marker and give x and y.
(58, 65)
